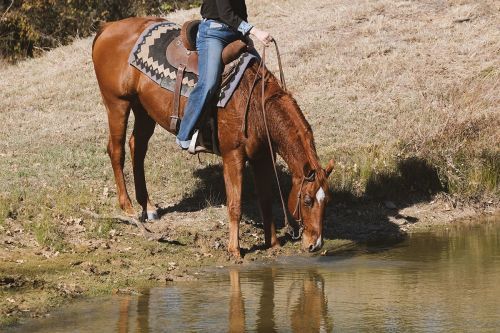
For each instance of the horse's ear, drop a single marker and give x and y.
(329, 167)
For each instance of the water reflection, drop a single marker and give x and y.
(301, 305)
(310, 314)
(236, 304)
(265, 314)
(123, 317)
(446, 281)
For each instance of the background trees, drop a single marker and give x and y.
(31, 26)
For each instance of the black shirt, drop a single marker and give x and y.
(231, 12)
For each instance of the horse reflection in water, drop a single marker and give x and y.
(308, 314)
(142, 318)
(123, 317)
(260, 302)
(236, 304)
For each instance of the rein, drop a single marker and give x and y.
(298, 211)
(262, 77)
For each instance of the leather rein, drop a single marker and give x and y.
(297, 212)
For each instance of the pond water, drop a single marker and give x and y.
(444, 281)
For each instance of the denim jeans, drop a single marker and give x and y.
(212, 37)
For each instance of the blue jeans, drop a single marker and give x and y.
(212, 37)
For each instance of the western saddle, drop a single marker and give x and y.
(181, 54)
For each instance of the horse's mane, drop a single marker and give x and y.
(284, 101)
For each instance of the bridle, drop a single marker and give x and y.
(298, 210)
(310, 178)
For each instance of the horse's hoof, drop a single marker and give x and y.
(149, 215)
(153, 215)
(273, 245)
(129, 211)
(235, 254)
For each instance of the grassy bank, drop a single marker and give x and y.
(404, 96)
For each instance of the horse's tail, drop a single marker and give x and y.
(102, 26)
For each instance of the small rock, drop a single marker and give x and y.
(180, 277)
(70, 290)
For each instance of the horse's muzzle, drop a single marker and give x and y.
(316, 246)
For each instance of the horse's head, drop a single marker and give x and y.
(307, 203)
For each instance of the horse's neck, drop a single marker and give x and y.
(293, 138)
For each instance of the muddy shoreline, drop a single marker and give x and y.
(35, 280)
(428, 131)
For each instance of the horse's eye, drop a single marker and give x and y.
(308, 201)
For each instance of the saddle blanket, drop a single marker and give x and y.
(149, 56)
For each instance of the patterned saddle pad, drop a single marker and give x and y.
(149, 56)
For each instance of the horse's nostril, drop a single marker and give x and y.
(311, 248)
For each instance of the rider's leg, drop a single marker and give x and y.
(213, 36)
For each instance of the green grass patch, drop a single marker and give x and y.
(102, 228)
(8, 321)
(473, 176)
(47, 233)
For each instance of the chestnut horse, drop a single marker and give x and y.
(124, 88)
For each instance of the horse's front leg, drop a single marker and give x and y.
(263, 178)
(233, 164)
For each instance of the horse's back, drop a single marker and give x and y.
(121, 34)
(111, 49)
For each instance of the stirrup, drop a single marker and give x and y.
(193, 148)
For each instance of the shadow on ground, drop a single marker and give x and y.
(374, 218)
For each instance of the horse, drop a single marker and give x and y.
(124, 88)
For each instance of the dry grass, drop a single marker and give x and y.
(379, 81)
(386, 75)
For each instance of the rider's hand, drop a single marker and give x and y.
(261, 35)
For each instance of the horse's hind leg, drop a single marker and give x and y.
(118, 112)
(144, 127)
